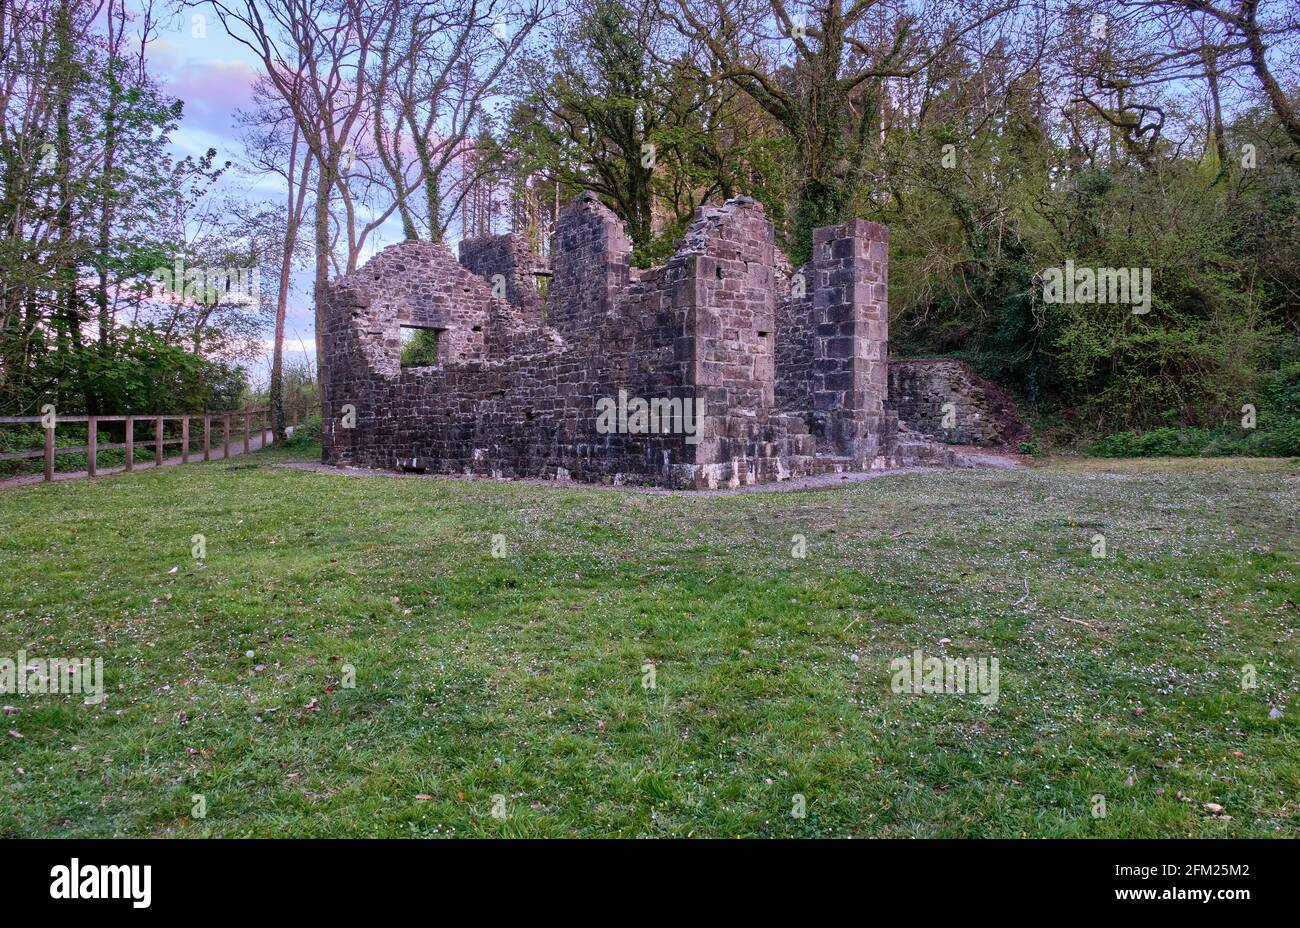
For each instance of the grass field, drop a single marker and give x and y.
(522, 677)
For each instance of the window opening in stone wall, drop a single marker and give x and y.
(542, 284)
(419, 345)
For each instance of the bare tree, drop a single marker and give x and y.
(1130, 67)
(315, 54)
(273, 142)
(819, 68)
(436, 67)
(1245, 29)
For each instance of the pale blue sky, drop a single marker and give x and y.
(212, 73)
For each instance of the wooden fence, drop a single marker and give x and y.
(158, 440)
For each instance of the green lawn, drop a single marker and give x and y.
(522, 676)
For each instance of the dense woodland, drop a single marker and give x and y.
(996, 138)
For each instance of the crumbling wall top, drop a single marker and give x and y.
(508, 264)
(590, 254)
(412, 284)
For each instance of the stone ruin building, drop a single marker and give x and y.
(720, 368)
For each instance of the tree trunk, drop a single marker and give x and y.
(292, 219)
(1216, 116)
(1259, 64)
(65, 263)
(324, 184)
(105, 194)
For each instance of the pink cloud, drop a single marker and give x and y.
(212, 90)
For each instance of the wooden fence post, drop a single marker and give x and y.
(265, 430)
(49, 451)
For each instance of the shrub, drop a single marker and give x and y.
(305, 434)
(1282, 441)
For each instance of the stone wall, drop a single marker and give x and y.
(795, 333)
(850, 339)
(833, 339)
(589, 266)
(514, 394)
(983, 413)
(510, 257)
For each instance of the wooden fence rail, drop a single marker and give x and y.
(159, 441)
